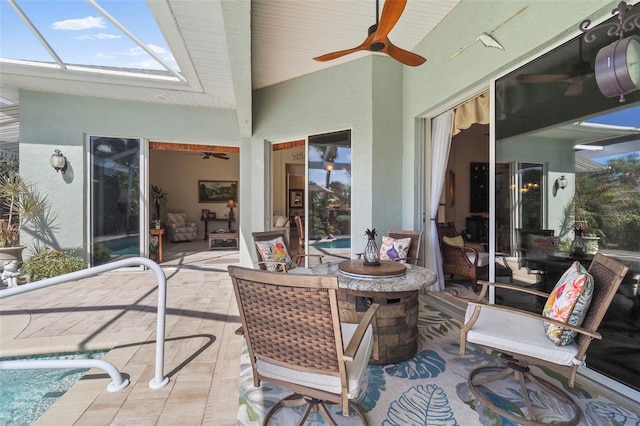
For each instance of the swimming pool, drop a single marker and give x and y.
(124, 246)
(27, 394)
(337, 243)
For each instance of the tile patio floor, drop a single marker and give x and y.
(117, 310)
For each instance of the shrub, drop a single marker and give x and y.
(101, 254)
(50, 263)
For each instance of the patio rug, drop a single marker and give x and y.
(431, 388)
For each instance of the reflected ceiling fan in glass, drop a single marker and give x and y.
(580, 71)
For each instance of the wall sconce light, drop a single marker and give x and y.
(58, 161)
(562, 182)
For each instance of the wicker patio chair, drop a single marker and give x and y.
(521, 339)
(296, 340)
(297, 259)
(413, 254)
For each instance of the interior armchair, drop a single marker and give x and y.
(558, 337)
(296, 340)
(179, 229)
(460, 257)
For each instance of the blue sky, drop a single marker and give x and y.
(81, 35)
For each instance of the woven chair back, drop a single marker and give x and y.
(290, 320)
(268, 236)
(300, 226)
(607, 277)
(414, 248)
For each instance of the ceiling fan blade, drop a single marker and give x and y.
(574, 89)
(403, 56)
(334, 55)
(391, 12)
(543, 78)
(220, 155)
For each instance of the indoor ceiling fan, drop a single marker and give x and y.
(378, 40)
(580, 72)
(207, 155)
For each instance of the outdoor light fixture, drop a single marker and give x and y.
(562, 182)
(617, 65)
(58, 161)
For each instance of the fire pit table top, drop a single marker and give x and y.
(414, 278)
(358, 269)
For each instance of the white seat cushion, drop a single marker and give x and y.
(301, 270)
(517, 334)
(483, 258)
(356, 370)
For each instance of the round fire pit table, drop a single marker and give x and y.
(395, 287)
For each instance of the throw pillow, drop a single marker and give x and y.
(394, 249)
(274, 251)
(568, 302)
(454, 241)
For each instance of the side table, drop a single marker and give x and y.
(159, 233)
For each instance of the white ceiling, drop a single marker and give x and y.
(226, 49)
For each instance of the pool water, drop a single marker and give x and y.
(337, 243)
(124, 246)
(27, 394)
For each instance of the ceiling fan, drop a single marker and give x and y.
(378, 40)
(580, 72)
(207, 155)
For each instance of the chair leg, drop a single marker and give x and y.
(522, 374)
(313, 405)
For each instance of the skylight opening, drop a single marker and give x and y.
(86, 39)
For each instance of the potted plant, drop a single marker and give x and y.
(21, 203)
(159, 197)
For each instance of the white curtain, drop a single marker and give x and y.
(441, 134)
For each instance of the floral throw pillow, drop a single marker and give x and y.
(568, 302)
(394, 249)
(274, 251)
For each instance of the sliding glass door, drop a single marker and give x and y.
(329, 194)
(115, 205)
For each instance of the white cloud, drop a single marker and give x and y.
(99, 36)
(137, 51)
(79, 24)
(103, 55)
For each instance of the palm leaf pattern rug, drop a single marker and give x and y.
(431, 388)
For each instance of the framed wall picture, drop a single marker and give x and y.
(217, 191)
(296, 198)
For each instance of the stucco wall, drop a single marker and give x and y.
(334, 99)
(51, 121)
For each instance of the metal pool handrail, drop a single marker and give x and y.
(159, 380)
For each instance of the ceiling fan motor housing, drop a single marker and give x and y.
(617, 70)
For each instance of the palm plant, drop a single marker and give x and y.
(159, 197)
(22, 203)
